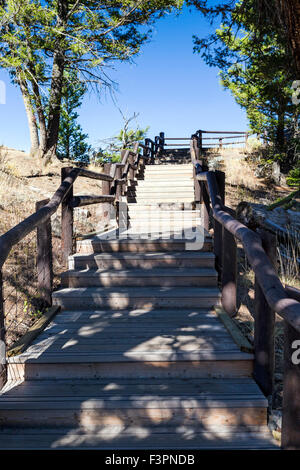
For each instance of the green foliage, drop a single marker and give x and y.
(41, 39)
(293, 178)
(256, 68)
(30, 307)
(71, 140)
(126, 138)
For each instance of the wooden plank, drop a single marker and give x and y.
(264, 324)
(111, 367)
(229, 273)
(236, 334)
(79, 201)
(128, 356)
(291, 390)
(21, 345)
(94, 175)
(134, 344)
(67, 217)
(112, 438)
(181, 316)
(293, 292)
(3, 369)
(44, 257)
(232, 388)
(218, 231)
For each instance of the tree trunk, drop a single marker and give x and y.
(41, 115)
(280, 137)
(290, 10)
(54, 105)
(32, 124)
(56, 84)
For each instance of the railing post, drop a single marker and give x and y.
(131, 170)
(3, 366)
(152, 152)
(290, 437)
(162, 142)
(118, 186)
(157, 144)
(106, 209)
(146, 150)
(246, 138)
(199, 140)
(197, 187)
(229, 273)
(204, 201)
(218, 231)
(44, 257)
(264, 323)
(290, 433)
(67, 219)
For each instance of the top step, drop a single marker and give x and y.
(170, 168)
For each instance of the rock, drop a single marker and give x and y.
(56, 225)
(275, 420)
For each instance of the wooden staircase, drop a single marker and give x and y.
(137, 357)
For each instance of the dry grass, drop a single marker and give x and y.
(22, 183)
(239, 171)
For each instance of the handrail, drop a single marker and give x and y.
(269, 282)
(21, 230)
(30, 223)
(224, 132)
(270, 295)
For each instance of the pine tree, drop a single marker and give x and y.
(71, 139)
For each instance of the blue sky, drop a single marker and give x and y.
(170, 87)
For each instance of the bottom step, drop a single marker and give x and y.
(121, 438)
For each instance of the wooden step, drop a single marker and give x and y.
(148, 212)
(135, 343)
(183, 259)
(167, 206)
(134, 402)
(140, 277)
(130, 297)
(162, 198)
(122, 438)
(148, 184)
(156, 225)
(155, 213)
(163, 191)
(98, 244)
(166, 170)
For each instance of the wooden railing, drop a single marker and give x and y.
(114, 180)
(270, 295)
(219, 140)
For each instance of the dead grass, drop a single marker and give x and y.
(22, 183)
(239, 172)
